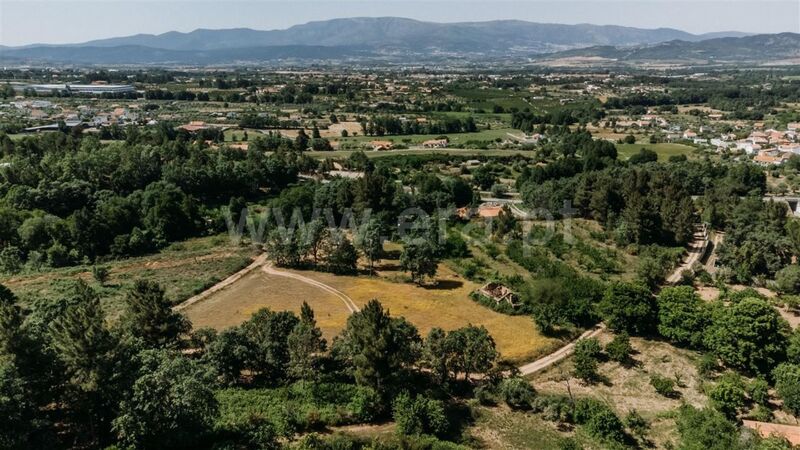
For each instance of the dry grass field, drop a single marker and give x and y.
(446, 305)
(257, 290)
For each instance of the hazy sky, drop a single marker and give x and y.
(68, 21)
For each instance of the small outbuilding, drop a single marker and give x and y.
(499, 293)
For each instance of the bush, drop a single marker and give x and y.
(787, 279)
(553, 408)
(628, 307)
(707, 365)
(663, 385)
(728, 395)
(637, 425)
(365, 404)
(485, 395)
(585, 358)
(619, 349)
(517, 393)
(599, 420)
(787, 384)
(758, 390)
(100, 274)
(682, 316)
(419, 415)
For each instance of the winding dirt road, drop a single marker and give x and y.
(547, 361)
(262, 262)
(348, 302)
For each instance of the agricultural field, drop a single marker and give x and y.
(664, 150)
(419, 152)
(418, 139)
(445, 305)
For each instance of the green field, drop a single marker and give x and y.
(426, 151)
(418, 139)
(183, 269)
(664, 151)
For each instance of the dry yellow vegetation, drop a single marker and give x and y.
(236, 303)
(446, 305)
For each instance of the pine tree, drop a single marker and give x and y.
(305, 345)
(150, 317)
(87, 350)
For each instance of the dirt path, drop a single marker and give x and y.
(348, 302)
(260, 260)
(696, 251)
(711, 262)
(558, 355)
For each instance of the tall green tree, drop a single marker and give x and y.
(89, 354)
(420, 258)
(682, 316)
(369, 240)
(171, 404)
(748, 335)
(268, 333)
(378, 346)
(305, 345)
(628, 307)
(149, 316)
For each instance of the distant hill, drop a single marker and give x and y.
(408, 34)
(762, 47)
(403, 40)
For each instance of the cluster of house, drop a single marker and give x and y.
(389, 145)
(768, 147)
(81, 115)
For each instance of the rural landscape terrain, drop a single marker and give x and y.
(381, 233)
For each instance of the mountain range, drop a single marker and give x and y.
(398, 39)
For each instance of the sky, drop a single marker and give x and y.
(70, 21)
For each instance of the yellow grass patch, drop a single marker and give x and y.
(446, 305)
(236, 303)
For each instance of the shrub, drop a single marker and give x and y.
(485, 395)
(728, 395)
(637, 425)
(554, 408)
(619, 349)
(517, 393)
(628, 307)
(787, 279)
(100, 274)
(663, 385)
(787, 384)
(707, 365)
(419, 415)
(758, 390)
(585, 358)
(682, 317)
(599, 420)
(365, 404)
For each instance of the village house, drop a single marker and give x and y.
(194, 126)
(435, 143)
(771, 157)
(381, 145)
